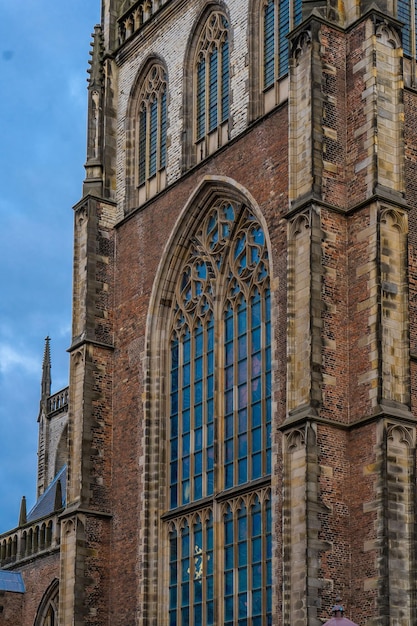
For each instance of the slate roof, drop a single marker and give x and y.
(45, 504)
(11, 581)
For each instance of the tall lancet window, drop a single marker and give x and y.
(152, 124)
(218, 517)
(211, 77)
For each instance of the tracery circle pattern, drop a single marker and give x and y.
(230, 243)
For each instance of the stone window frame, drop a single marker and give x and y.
(47, 614)
(147, 133)
(203, 39)
(227, 502)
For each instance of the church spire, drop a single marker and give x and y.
(46, 372)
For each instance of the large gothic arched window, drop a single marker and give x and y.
(218, 515)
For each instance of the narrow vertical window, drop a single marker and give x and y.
(212, 76)
(152, 124)
(277, 19)
(269, 43)
(404, 15)
(220, 410)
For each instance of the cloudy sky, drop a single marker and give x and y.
(44, 53)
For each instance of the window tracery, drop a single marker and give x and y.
(220, 425)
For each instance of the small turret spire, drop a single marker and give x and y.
(46, 371)
(94, 165)
(22, 515)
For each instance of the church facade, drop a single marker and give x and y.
(240, 424)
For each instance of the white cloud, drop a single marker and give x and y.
(10, 359)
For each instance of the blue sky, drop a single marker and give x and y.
(44, 53)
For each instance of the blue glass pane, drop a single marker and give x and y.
(242, 421)
(210, 483)
(242, 554)
(153, 137)
(225, 81)
(213, 90)
(229, 451)
(186, 467)
(242, 471)
(229, 557)
(242, 371)
(142, 146)
(198, 487)
(186, 398)
(229, 476)
(186, 491)
(242, 445)
(174, 472)
(228, 607)
(257, 414)
(256, 465)
(242, 396)
(198, 462)
(242, 319)
(256, 389)
(229, 401)
(210, 613)
(229, 426)
(256, 339)
(257, 603)
(229, 353)
(242, 525)
(198, 416)
(173, 500)
(228, 583)
(242, 347)
(243, 605)
(174, 448)
(201, 99)
(257, 550)
(229, 377)
(198, 392)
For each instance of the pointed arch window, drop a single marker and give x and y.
(211, 89)
(152, 127)
(220, 426)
